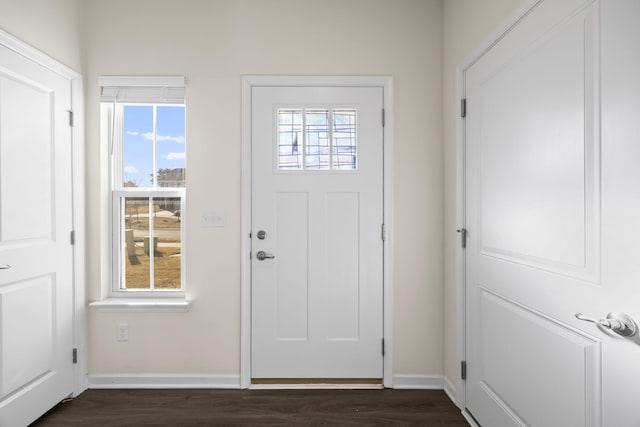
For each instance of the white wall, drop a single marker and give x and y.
(51, 26)
(213, 43)
(467, 24)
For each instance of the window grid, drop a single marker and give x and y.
(316, 139)
(164, 193)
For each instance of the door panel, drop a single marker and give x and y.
(20, 99)
(551, 208)
(291, 273)
(317, 193)
(36, 289)
(343, 253)
(24, 360)
(516, 368)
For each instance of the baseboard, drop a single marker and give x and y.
(419, 382)
(163, 381)
(450, 389)
(469, 419)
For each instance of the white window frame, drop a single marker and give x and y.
(116, 92)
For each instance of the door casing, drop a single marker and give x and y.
(78, 198)
(250, 81)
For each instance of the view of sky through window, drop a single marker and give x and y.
(138, 143)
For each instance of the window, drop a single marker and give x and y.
(317, 139)
(144, 123)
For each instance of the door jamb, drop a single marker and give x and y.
(250, 81)
(7, 40)
(480, 49)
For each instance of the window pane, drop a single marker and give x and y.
(170, 146)
(317, 139)
(137, 153)
(136, 246)
(167, 232)
(344, 139)
(289, 139)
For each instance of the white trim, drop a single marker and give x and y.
(460, 255)
(173, 381)
(449, 388)
(487, 43)
(142, 305)
(142, 81)
(468, 418)
(36, 56)
(245, 239)
(418, 382)
(248, 81)
(79, 252)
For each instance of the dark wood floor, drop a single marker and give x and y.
(256, 408)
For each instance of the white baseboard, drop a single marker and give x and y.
(418, 382)
(450, 389)
(164, 381)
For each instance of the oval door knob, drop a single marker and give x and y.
(262, 255)
(620, 323)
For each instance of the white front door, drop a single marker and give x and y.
(36, 289)
(317, 211)
(552, 211)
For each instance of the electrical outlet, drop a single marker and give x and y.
(123, 332)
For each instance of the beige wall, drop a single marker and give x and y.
(467, 25)
(51, 26)
(213, 43)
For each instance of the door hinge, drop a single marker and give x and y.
(73, 237)
(383, 346)
(463, 237)
(463, 107)
(71, 118)
(463, 369)
(74, 355)
(383, 232)
(383, 118)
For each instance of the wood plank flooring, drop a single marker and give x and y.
(186, 408)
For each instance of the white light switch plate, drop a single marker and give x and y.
(212, 218)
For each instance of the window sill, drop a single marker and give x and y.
(143, 305)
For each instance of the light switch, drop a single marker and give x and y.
(212, 218)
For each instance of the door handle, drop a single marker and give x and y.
(620, 323)
(5, 267)
(262, 255)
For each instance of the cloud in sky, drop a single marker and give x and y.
(149, 135)
(175, 156)
(131, 170)
(178, 139)
(159, 138)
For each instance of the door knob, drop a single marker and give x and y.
(620, 323)
(262, 255)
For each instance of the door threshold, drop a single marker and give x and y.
(316, 383)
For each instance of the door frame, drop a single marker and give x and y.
(77, 196)
(475, 54)
(250, 81)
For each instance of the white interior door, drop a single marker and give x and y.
(317, 208)
(36, 370)
(552, 207)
